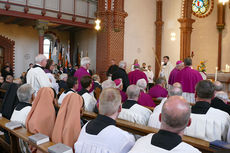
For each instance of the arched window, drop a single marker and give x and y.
(46, 49)
(200, 7)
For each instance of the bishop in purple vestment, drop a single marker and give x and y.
(158, 90)
(137, 74)
(119, 86)
(173, 74)
(188, 77)
(83, 71)
(144, 98)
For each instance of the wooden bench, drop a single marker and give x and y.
(144, 130)
(23, 134)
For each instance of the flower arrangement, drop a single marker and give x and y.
(202, 66)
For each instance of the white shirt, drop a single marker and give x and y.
(166, 70)
(21, 115)
(55, 85)
(213, 125)
(150, 75)
(90, 102)
(62, 96)
(143, 145)
(136, 114)
(37, 78)
(110, 140)
(154, 117)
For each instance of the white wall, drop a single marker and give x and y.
(140, 32)
(26, 45)
(87, 44)
(171, 14)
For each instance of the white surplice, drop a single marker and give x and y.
(136, 114)
(90, 102)
(62, 96)
(110, 140)
(143, 145)
(37, 78)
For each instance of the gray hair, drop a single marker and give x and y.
(133, 91)
(142, 84)
(160, 80)
(222, 95)
(109, 101)
(122, 64)
(25, 93)
(218, 86)
(85, 60)
(108, 84)
(40, 58)
(175, 91)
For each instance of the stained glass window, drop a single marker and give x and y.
(200, 7)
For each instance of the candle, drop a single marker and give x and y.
(216, 74)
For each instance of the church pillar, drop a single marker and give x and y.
(110, 39)
(186, 22)
(41, 27)
(159, 23)
(220, 26)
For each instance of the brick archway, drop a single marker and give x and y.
(8, 46)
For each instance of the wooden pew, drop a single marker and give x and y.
(23, 134)
(134, 128)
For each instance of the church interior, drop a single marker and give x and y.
(121, 31)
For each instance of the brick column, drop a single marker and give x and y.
(110, 39)
(186, 22)
(159, 23)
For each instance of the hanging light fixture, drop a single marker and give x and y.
(97, 26)
(223, 1)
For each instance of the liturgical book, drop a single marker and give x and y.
(39, 138)
(60, 148)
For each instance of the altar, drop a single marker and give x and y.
(223, 77)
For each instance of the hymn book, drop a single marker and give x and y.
(13, 125)
(39, 138)
(217, 144)
(60, 148)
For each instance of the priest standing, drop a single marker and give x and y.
(188, 78)
(136, 75)
(166, 69)
(173, 74)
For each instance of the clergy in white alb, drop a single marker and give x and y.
(89, 100)
(101, 134)
(207, 123)
(166, 68)
(72, 84)
(131, 110)
(154, 118)
(36, 76)
(175, 116)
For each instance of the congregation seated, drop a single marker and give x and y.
(6, 84)
(175, 116)
(36, 76)
(119, 86)
(49, 72)
(158, 91)
(101, 134)
(208, 123)
(68, 123)
(6, 70)
(25, 95)
(144, 98)
(62, 82)
(220, 99)
(72, 85)
(154, 118)
(1, 80)
(136, 75)
(89, 100)
(131, 110)
(42, 116)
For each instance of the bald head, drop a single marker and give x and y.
(175, 114)
(175, 91)
(218, 86)
(177, 85)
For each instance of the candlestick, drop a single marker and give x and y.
(216, 74)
